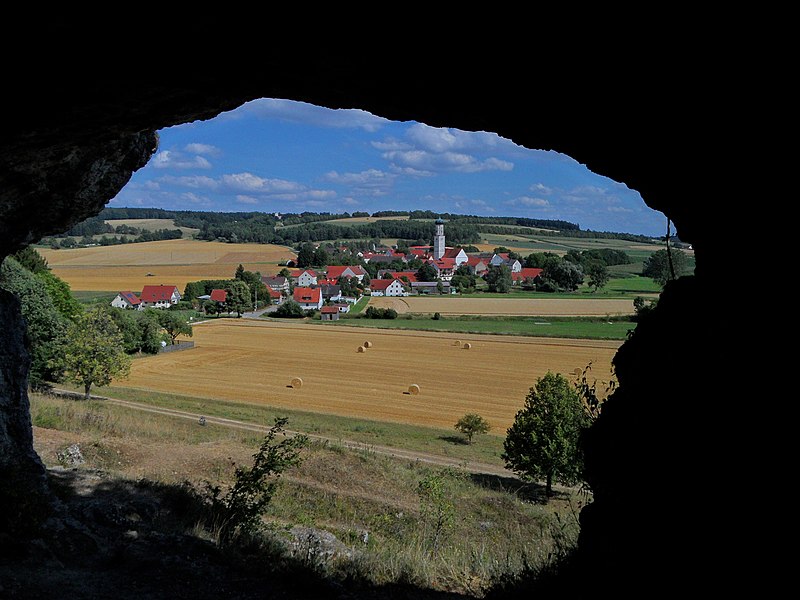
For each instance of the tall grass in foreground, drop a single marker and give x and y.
(395, 521)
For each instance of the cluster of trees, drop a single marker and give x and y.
(67, 342)
(373, 312)
(242, 292)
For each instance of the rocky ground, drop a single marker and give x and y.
(120, 539)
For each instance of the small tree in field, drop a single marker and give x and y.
(470, 424)
(174, 324)
(95, 354)
(543, 442)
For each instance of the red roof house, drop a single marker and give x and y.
(160, 296)
(218, 295)
(126, 300)
(526, 273)
(308, 297)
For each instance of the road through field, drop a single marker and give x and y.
(244, 360)
(434, 459)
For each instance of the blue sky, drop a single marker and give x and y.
(274, 155)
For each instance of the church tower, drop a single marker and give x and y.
(438, 240)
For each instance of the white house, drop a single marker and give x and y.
(304, 278)
(334, 272)
(503, 259)
(127, 300)
(308, 298)
(456, 254)
(387, 287)
(159, 296)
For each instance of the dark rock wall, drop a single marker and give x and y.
(70, 140)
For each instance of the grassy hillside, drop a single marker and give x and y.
(386, 532)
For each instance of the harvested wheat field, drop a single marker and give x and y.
(556, 307)
(169, 262)
(260, 362)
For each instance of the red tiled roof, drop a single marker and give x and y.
(306, 295)
(527, 273)
(131, 298)
(273, 293)
(335, 271)
(474, 261)
(299, 272)
(411, 275)
(381, 284)
(329, 309)
(451, 252)
(219, 295)
(445, 263)
(157, 293)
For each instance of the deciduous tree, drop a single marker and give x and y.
(94, 354)
(543, 441)
(472, 424)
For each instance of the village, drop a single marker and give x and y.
(333, 289)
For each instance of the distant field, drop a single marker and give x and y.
(170, 262)
(254, 362)
(541, 326)
(153, 225)
(561, 307)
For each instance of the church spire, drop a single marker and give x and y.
(438, 240)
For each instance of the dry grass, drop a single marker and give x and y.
(171, 262)
(254, 362)
(556, 307)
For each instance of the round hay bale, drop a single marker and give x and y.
(577, 371)
(297, 382)
(361, 349)
(413, 389)
(467, 346)
(457, 343)
(367, 344)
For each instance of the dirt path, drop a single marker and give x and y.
(470, 466)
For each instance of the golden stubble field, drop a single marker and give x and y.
(550, 307)
(170, 262)
(255, 362)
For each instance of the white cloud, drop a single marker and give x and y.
(247, 182)
(308, 114)
(197, 148)
(442, 139)
(429, 162)
(371, 182)
(168, 159)
(541, 189)
(528, 201)
(474, 204)
(193, 198)
(350, 202)
(245, 199)
(196, 182)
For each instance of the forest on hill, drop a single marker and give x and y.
(280, 228)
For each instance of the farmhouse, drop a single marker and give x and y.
(159, 296)
(308, 298)
(445, 267)
(525, 274)
(334, 272)
(504, 259)
(331, 292)
(218, 296)
(274, 296)
(127, 300)
(478, 265)
(277, 283)
(304, 277)
(387, 287)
